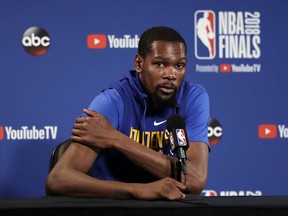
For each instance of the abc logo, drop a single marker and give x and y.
(215, 131)
(36, 41)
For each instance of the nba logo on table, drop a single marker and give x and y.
(181, 137)
(204, 34)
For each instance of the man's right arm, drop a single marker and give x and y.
(69, 178)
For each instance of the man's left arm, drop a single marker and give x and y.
(197, 167)
(197, 121)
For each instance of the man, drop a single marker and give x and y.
(122, 135)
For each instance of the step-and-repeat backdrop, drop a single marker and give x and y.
(56, 56)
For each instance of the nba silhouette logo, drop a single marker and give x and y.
(205, 41)
(181, 137)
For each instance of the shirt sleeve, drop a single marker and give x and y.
(110, 104)
(198, 115)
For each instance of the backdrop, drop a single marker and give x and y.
(56, 56)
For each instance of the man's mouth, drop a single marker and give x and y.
(167, 89)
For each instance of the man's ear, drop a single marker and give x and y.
(138, 63)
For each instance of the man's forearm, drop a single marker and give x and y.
(154, 162)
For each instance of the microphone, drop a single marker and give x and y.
(178, 139)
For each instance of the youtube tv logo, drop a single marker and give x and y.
(96, 41)
(225, 68)
(267, 131)
(1, 132)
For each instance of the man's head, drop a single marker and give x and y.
(157, 33)
(161, 64)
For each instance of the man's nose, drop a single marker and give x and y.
(170, 73)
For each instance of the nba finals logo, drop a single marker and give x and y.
(238, 36)
(205, 41)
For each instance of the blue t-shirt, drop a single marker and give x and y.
(125, 104)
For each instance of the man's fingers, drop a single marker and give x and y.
(91, 113)
(77, 132)
(179, 185)
(75, 138)
(81, 119)
(182, 197)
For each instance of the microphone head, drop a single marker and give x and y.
(175, 122)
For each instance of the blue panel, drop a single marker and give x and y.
(245, 76)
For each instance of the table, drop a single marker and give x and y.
(192, 205)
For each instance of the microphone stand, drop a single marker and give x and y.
(181, 164)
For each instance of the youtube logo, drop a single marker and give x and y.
(96, 41)
(225, 68)
(267, 131)
(1, 132)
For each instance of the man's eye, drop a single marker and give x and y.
(181, 66)
(159, 64)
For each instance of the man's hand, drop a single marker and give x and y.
(166, 188)
(94, 130)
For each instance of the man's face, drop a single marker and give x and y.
(162, 71)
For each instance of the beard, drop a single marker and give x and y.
(159, 102)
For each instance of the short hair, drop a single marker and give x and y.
(158, 33)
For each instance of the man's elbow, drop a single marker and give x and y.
(196, 186)
(53, 185)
